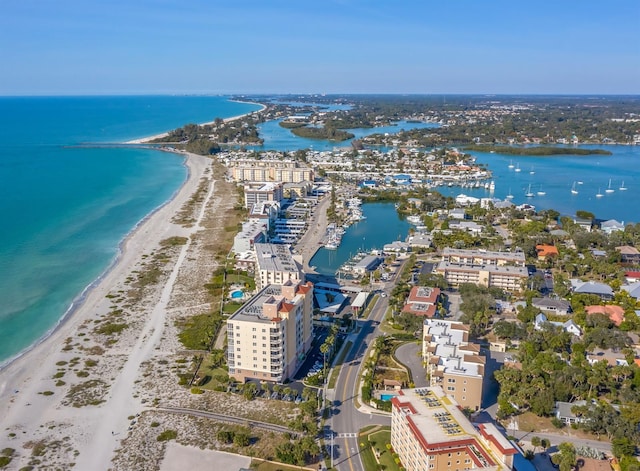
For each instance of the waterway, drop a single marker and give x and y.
(382, 226)
(278, 138)
(553, 178)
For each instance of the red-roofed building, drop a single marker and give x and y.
(615, 313)
(422, 301)
(632, 276)
(430, 432)
(546, 251)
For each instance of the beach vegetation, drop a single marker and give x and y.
(535, 151)
(198, 332)
(110, 328)
(47, 393)
(60, 383)
(59, 374)
(154, 424)
(89, 363)
(4, 461)
(167, 435)
(174, 241)
(88, 393)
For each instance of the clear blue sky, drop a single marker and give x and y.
(67, 47)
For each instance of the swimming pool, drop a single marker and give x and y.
(237, 294)
(387, 397)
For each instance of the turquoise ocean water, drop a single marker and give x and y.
(66, 208)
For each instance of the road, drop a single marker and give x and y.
(346, 420)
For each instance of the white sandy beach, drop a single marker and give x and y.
(93, 433)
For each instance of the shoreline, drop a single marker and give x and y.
(148, 139)
(23, 378)
(79, 300)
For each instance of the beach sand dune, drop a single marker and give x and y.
(71, 399)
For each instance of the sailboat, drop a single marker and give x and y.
(529, 194)
(609, 189)
(509, 196)
(540, 192)
(532, 172)
(573, 189)
(622, 187)
(511, 164)
(599, 194)
(518, 168)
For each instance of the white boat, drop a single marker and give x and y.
(414, 219)
(609, 189)
(492, 185)
(541, 193)
(509, 196)
(573, 189)
(599, 194)
(529, 194)
(518, 168)
(532, 172)
(330, 246)
(579, 183)
(622, 187)
(511, 164)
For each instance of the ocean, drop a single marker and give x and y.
(66, 207)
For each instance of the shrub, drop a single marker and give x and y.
(167, 435)
(197, 391)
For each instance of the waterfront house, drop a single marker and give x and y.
(611, 226)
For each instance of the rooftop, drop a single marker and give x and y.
(275, 257)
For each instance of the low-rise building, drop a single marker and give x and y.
(614, 313)
(253, 232)
(568, 326)
(275, 265)
(422, 301)
(453, 363)
(552, 306)
(430, 432)
(269, 337)
(629, 254)
(546, 252)
(592, 287)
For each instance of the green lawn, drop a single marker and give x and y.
(380, 438)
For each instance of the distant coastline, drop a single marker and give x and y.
(537, 151)
(148, 139)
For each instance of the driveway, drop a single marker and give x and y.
(409, 355)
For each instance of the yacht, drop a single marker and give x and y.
(599, 194)
(541, 193)
(511, 164)
(492, 185)
(573, 189)
(529, 193)
(509, 196)
(414, 219)
(622, 187)
(518, 168)
(609, 189)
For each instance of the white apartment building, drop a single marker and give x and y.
(275, 265)
(452, 362)
(504, 270)
(269, 337)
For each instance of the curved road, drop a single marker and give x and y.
(409, 355)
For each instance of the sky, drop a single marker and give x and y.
(89, 47)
